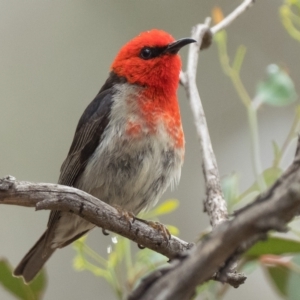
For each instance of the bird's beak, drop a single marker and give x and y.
(174, 47)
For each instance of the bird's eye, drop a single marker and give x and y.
(146, 53)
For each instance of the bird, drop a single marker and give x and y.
(128, 146)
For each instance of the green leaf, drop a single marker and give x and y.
(78, 263)
(245, 199)
(230, 189)
(279, 276)
(173, 229)
(165, 208)
(276, 152)
(221, 37)
(290, 17)
(275, 246)
(119, 250)
(14, 285)
(269, 175)
(17, 287)
(278, 89)
(286, 277)
(250, 266)
(39, 284)
(239, 58)
(202, 288)
(293, 287)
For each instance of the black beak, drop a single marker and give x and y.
(174, 47)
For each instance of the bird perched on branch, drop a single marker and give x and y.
(128, 145)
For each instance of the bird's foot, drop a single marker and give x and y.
(105, 232)
(128, 216)
(161, 228)
(124, 214)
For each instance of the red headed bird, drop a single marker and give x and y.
(128, 145)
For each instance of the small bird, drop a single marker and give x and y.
(128, 146)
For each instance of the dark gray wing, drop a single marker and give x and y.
(87, 138)
(89, 132)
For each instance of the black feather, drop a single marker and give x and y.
(87, 138)
(88, 132)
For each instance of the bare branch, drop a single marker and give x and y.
(214, 204)
(232, 16)
(272, 210)
(60, 197)
(54, 196)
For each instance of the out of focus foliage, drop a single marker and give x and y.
(124, 267)
(279, 255)
(16, 286)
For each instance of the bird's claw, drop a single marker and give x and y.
(128, 216)
(105, 232)
(161, 228)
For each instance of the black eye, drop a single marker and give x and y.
(146, 53)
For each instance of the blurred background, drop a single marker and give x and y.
(55, 56)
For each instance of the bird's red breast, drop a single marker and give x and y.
(159, 77)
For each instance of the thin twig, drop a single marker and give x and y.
(214, 203)
(232, 16)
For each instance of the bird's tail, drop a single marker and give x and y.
(34, 260)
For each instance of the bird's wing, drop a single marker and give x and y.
(87, 138)
(89, 132)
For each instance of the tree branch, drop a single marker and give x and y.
(270, 211)
(54, 196)
(232, 16)
(214, 203)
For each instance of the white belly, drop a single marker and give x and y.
(131, 171)
(133, 175)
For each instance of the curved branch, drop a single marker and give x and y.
(55, 196)
(271, 210)
(65, 198)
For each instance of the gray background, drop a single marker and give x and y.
(54, 57)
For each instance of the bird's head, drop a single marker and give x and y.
(151, 59)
